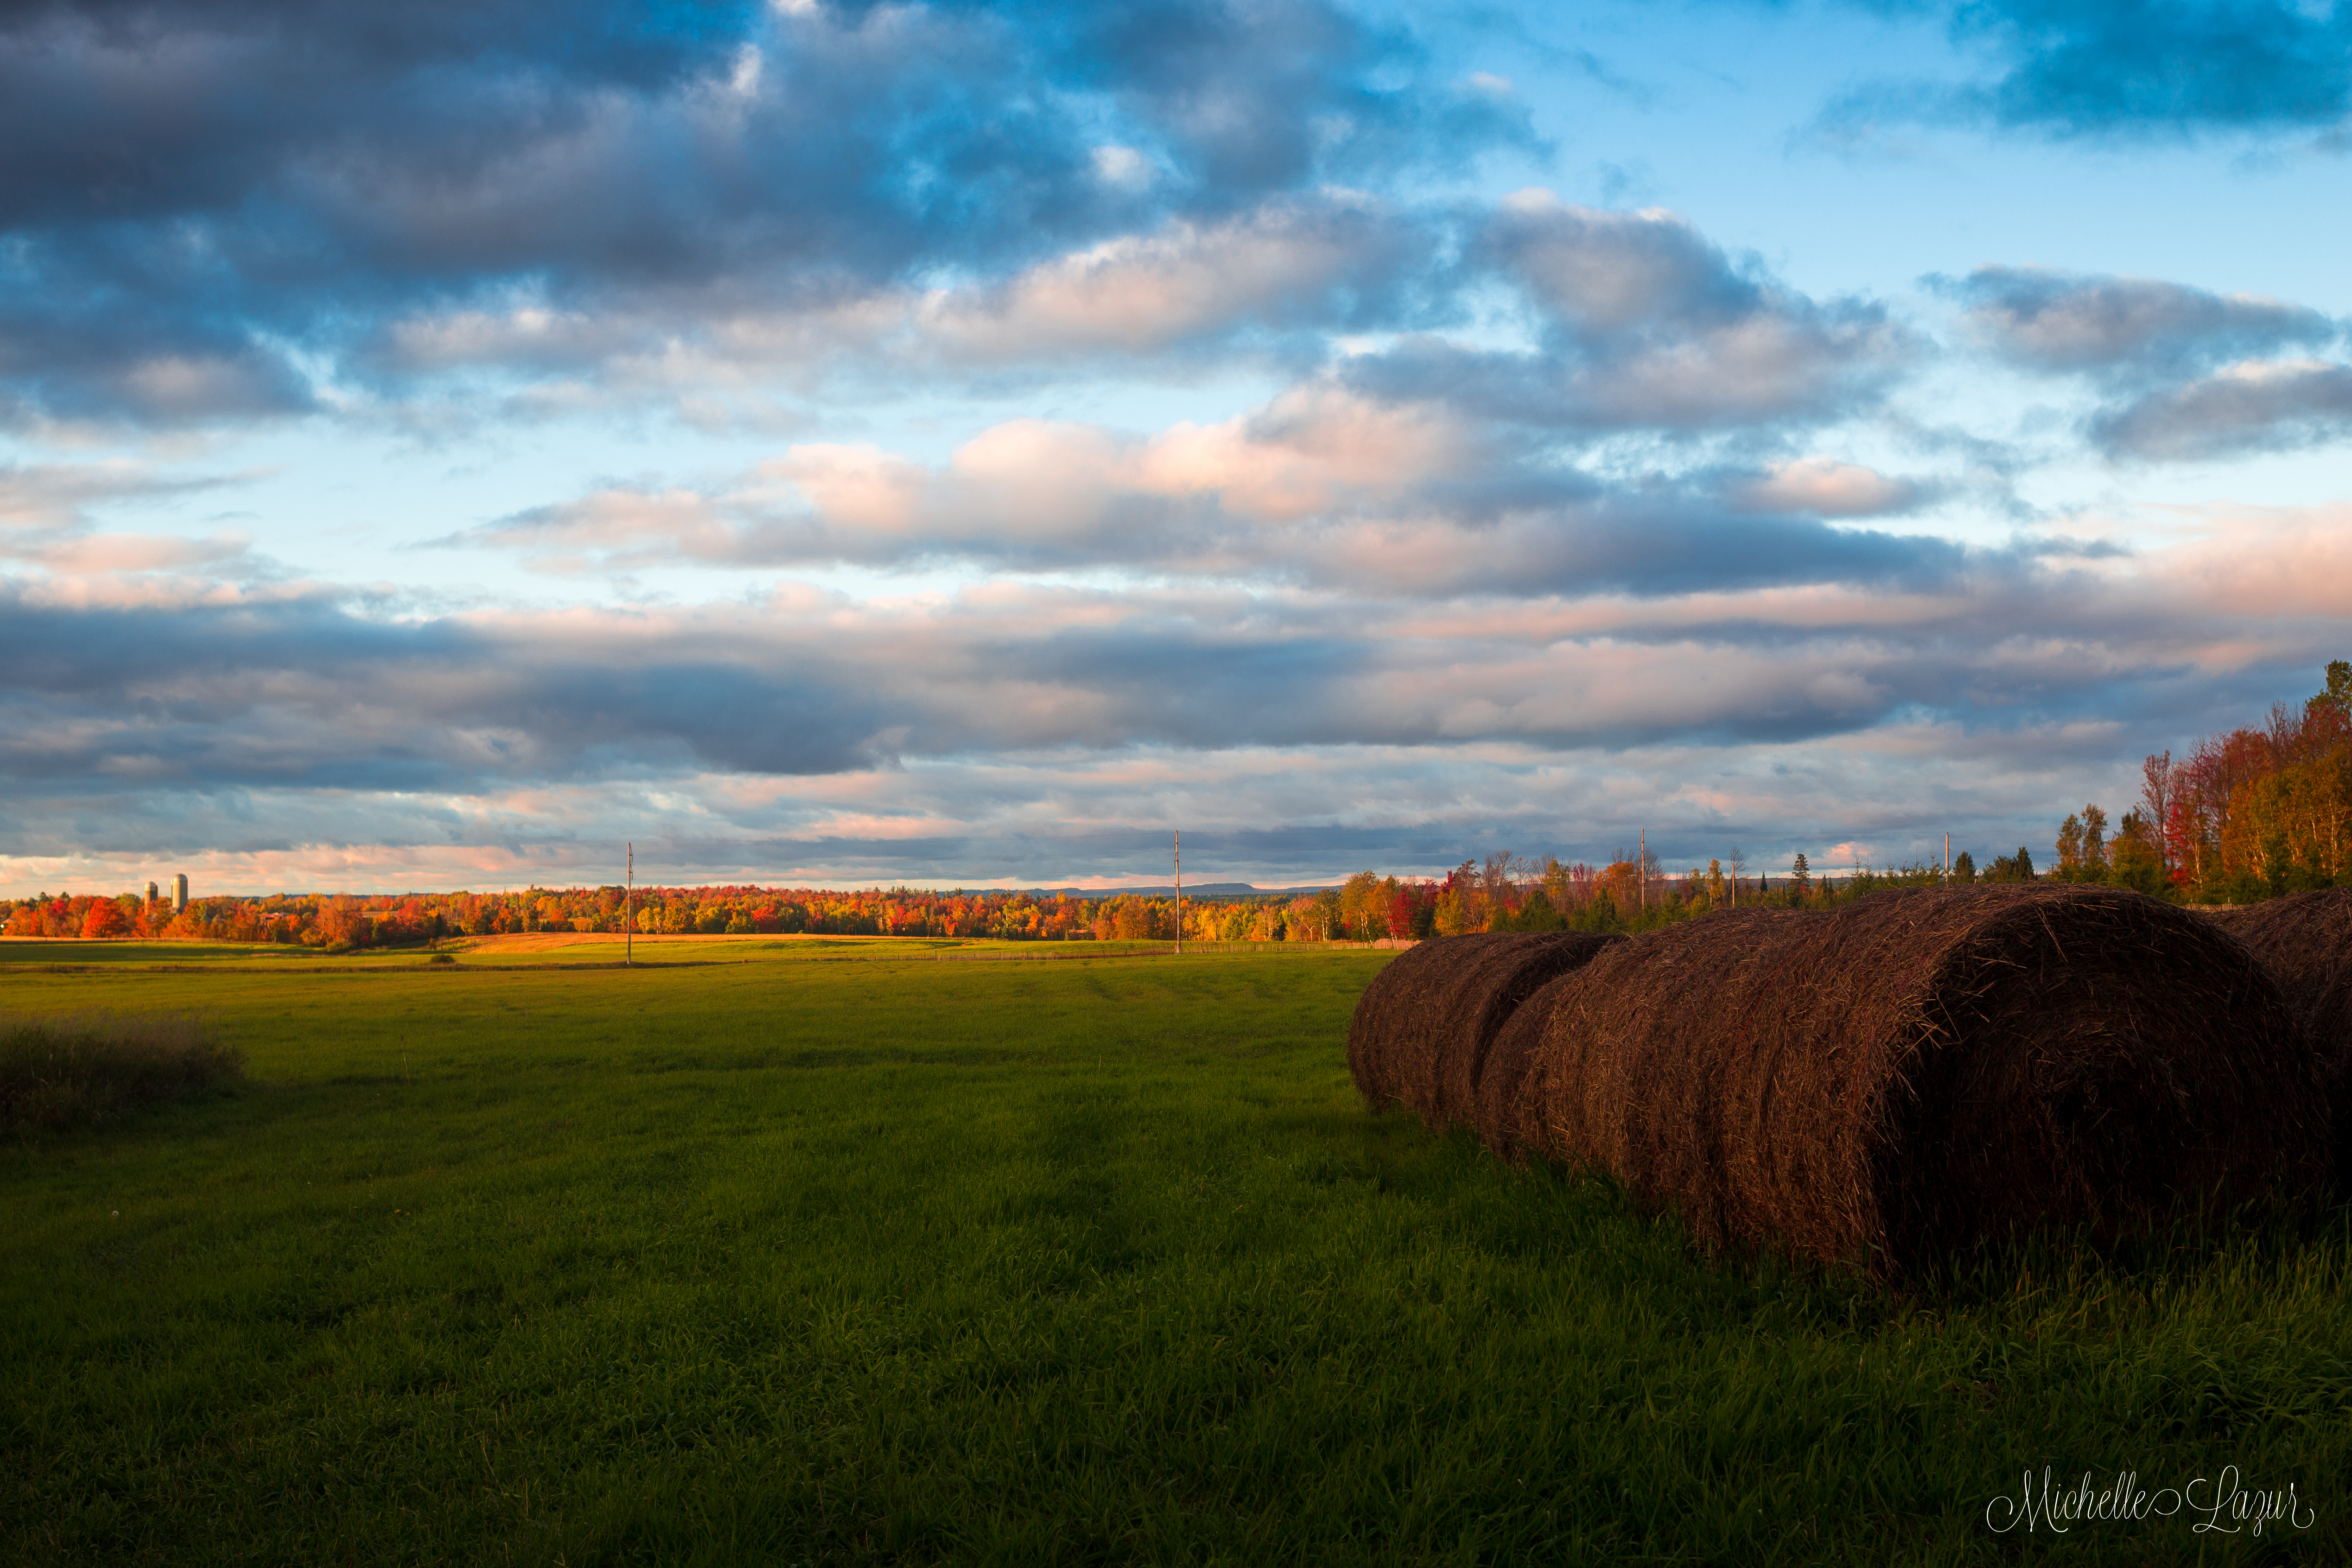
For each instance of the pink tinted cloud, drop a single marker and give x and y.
(1140, 293)
(1827, 487)
(2260, 562)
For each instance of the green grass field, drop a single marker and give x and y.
(1089, 1260)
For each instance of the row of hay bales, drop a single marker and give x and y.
(1910, 1075)
(2305, 941)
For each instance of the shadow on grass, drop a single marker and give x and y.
(2280, 1233)
(2044, 1279)
(85, 1069)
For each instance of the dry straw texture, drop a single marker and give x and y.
(2304, 940)
(1423, 1027)
(1922, 1071)
(1503, 1076)
(55, 1072)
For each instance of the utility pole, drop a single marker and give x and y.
(629, 908)
(1643, 869)
(1180, 892)
(1947, 860)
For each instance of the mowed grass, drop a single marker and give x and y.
(1092, 1260)
(545, 948)
(20, 954)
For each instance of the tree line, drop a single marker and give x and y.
(1502, 893)
(2252, 813)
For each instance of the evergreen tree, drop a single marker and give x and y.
(2136, 859)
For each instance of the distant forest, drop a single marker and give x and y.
(1502, 893)
(2247, 815)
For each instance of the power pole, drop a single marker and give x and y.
(1947, 860)
(1643, 869)
(629, 908)
(1180, 892)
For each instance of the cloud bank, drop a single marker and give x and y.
(1088, 421)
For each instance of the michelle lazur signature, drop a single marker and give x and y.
(2218, 1504)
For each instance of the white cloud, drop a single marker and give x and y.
(1123, 166)
(1142, 293)
(1296, 266)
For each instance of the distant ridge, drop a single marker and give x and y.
(1165, 890)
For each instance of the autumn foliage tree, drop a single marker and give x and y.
(2259, 812)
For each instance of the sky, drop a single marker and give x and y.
(963, 445)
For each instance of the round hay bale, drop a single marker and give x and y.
(2304, 940)
(1423, 1027)
(1922, 1071)
(1503, 1076)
